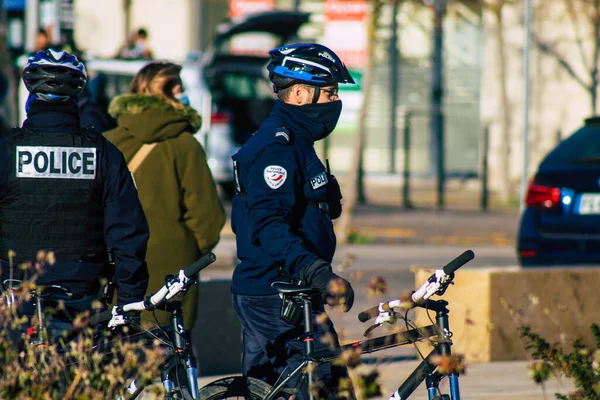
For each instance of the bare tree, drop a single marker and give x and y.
(496, 8)
(584, 16)
(352, 182)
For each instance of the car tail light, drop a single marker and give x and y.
(540, 196)
(527, 253)
(219, 118)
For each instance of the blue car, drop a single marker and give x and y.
(561, 221)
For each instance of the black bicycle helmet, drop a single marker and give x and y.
(308, 63)
(54, 75)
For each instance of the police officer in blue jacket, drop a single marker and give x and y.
(282, 213)
(66, 189)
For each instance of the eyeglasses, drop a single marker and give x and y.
(332, 93)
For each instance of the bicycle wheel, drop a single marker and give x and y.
(238, 387)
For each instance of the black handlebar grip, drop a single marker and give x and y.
(101, 317)
(368, 314)
(459, 262)
(199, 265)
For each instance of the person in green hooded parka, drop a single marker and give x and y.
(174, 182)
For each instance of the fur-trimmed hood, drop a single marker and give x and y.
(151, 118)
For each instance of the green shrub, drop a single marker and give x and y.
(30, 371)
(581, 364)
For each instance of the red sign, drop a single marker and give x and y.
(346, 10)
(242, 7)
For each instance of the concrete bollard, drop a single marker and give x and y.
(488, 304)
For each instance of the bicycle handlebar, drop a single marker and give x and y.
(373, 312)
(436, 282)
(199, 265)
(458, 262)
(169, 290)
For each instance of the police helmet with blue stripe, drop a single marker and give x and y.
(307, 63)
(53, 76)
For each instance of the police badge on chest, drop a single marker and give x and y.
(275, 176)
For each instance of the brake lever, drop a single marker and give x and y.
(371, 329)
(383, 317)
(444, 286)
(177, 285)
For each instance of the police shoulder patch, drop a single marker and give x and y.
(275, 176)
(283, 134)
(319, 181)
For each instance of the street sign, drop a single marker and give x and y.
(242, 7)
(346, 10)
(346, 30)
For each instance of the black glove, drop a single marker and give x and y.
(335, 290)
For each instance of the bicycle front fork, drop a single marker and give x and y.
(433, 379)
(426, 371)
(183, 353)
(434, 393)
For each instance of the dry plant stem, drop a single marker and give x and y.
(73, 385)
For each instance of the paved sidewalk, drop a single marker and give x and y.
(392, 225)
(384, 221)
(489, 381)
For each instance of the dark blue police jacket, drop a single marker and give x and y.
(280, 216)
(125, 227)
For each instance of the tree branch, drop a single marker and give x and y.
(578, 39)
(551, 51)
(596, 25)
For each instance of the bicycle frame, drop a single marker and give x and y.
(309, 341)
(425, 371)
(180, 351)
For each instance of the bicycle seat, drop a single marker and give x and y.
(292, 289)
(49, 291)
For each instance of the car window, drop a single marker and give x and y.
(117, 84)
(249, 43)
(243, 87)
(583, 147)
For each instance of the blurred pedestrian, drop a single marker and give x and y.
(93, 112)
(174, 182)
(41, 43)
(142, 45)
(137, 46)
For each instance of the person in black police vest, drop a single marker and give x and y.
(283, 210)
(66, 189)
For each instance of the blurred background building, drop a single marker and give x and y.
(182, 29)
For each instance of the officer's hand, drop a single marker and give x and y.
(340, 293)
(133, 319)
(334, 290)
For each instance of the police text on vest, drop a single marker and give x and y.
(56, 162)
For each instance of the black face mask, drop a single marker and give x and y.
(325, 115)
